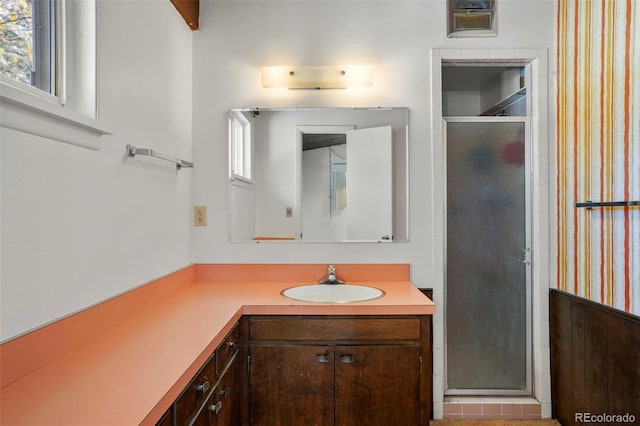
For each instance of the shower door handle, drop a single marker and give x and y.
(524, 256)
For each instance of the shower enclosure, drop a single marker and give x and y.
(487, 239)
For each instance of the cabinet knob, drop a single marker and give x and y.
(203, 387)
(224, 393)
(215, 407)
(322, 358)
(346, 359)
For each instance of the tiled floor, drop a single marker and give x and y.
(491, 408)
(543, 422)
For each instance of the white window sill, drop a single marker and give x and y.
(241, 180)
(27, 112)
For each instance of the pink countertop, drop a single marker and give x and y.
(131, 373)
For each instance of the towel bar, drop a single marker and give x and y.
(132, 151)
(591, 204)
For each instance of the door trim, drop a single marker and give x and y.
(543, 155)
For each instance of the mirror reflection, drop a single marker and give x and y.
(318, 174)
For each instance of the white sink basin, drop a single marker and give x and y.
(332, 293)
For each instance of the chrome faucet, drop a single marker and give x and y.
(331, 276)
(332, 273)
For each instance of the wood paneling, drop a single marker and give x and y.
(595, 379)
(561, 344)
(595, 359)
(623, 360)
(190, 12)
(426, 395)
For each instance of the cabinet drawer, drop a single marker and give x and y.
(334, 329)
(196, 392)
(167, 418)
(227, 348)
(223, 406)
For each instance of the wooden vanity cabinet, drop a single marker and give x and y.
(167, 418)
(344, 371)
(223, 405)
(214, 396)
(195, 394)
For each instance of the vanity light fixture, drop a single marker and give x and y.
(317, 77)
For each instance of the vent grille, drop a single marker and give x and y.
(463, 21)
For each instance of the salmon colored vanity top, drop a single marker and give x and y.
(129, 372)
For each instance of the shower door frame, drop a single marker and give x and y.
(529, 212)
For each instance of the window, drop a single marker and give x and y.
(48, 70)
(240, 145)
(28, 42)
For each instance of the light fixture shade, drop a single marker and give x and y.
(317, 77)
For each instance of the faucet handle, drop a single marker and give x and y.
(331, 277)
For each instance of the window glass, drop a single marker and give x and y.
(240, 134)
(27, 42)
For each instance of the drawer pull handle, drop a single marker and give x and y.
(215, 407)
(203, 387)
(346, 359)
(322, 358)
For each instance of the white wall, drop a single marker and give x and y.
(500, 87)
(242, 201)
(79, 225)
(237, 38)
(473, 90)
(394, 36)
(320, 222)
(461, 103)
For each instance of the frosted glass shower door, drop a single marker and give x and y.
(487, 330)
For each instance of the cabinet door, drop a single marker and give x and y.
(229, 394)
(377, 385)
(291, 385)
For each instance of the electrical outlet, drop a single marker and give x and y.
(288, 211)
(200, 215)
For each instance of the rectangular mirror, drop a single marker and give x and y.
(318, 175)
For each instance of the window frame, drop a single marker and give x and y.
(47, 24)
(47, 29)
(240, 152)
(54, 116)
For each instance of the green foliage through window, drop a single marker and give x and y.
(16, 40)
